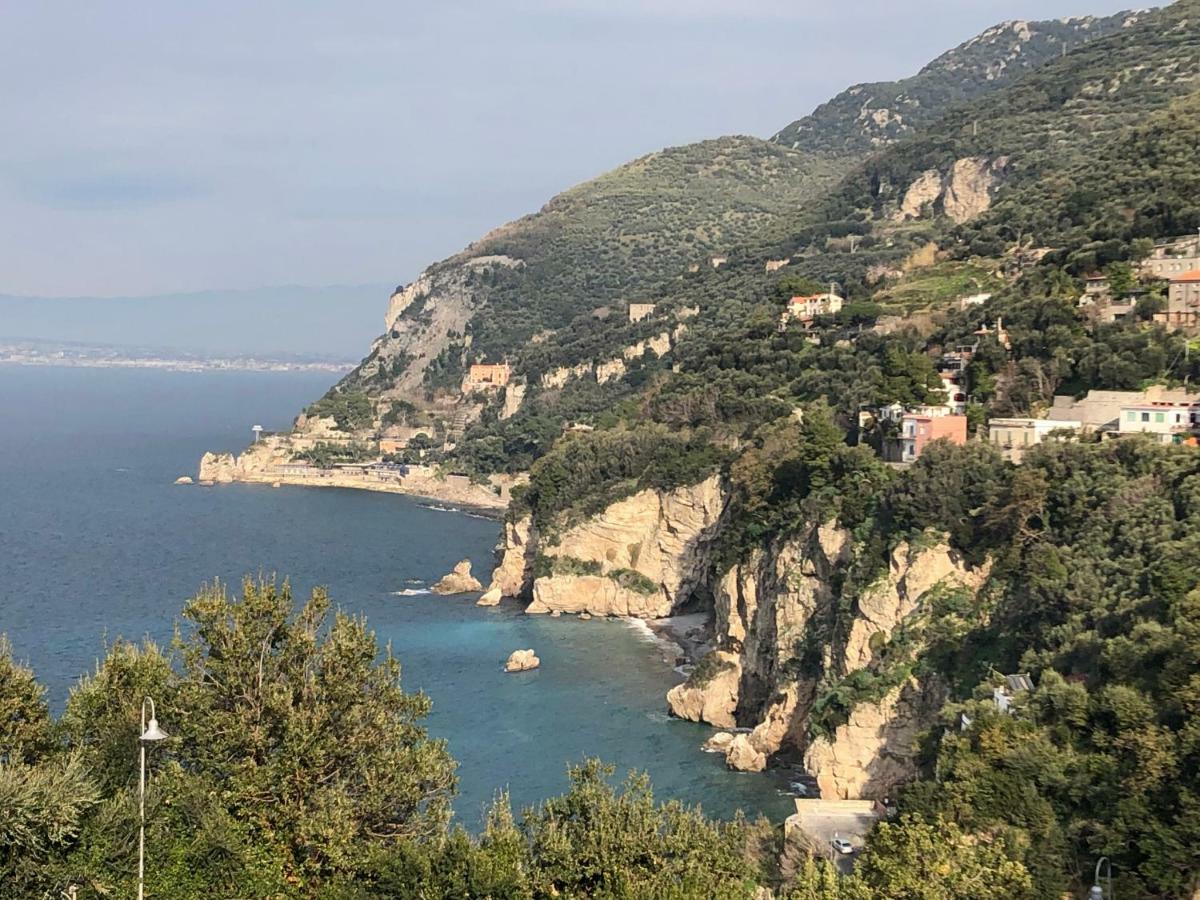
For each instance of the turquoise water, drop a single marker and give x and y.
(96, 542)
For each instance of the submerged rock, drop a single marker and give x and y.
(458, 581)
(521, 661)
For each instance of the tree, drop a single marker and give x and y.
(917, 860)
(25, 728)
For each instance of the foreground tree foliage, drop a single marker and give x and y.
(296, 767)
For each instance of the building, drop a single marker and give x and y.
(639, 311)
(1174, 420)
(973, 300)
(1107, 412)
(1015, 436)
(805, 309)
(997, 331)
(956, 397)
(1183, 302)
(917, 431)
(482, 377)
(1095, 288)
(1013, 687)
(1173, 256)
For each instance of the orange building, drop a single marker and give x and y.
(484, 375)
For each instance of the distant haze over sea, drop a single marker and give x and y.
(336, 322)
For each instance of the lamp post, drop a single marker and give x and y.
(1097, 892)
(150, 733)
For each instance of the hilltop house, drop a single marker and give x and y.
(486, 377)
(1183, 302)
(805, 309)
(639, 311)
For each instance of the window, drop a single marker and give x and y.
(1145, 417)
(1159, 418)
(1131, 416)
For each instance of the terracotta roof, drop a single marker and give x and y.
(1188, 277)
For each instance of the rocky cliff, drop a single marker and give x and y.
(790, 632)
(644, 556)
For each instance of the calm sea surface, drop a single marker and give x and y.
(96, 543)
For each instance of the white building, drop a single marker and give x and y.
(1014, 437)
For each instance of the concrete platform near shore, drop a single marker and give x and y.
(821, 821)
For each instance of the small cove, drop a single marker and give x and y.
(96, 542)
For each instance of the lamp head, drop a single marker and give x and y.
(153, 732)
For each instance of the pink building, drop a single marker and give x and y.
(916, 431)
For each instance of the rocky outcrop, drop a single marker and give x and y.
(744, 756)
(184, 479)
(595, 594)
(783, 625)
(652, 552)
(969, 187)
(491, 597)
(965, 191)
(458, 581)
(713, 699)
(556, 378)
(217, 468)
(875, 751)
(522, 661)
(912, 573)
(513, 577)
(921, 195)
(514, 396)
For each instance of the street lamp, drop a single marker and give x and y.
(1097, 892)
(151, 733)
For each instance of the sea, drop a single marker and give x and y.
(98, 543)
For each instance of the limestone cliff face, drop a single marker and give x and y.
(793, 637)
(643, 556)
(653, 550)
(423, 318)
(965, 190)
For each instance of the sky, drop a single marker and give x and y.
(172, 146)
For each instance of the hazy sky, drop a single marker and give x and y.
(170, 145)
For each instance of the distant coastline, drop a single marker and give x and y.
(40, 353)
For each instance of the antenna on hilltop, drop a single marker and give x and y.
(257, 429)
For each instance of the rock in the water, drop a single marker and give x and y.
(555, 614)
(743, 756)
(522, 660)
(718, 743)
(459, 581)
(711, 699)
(584, 616)
(491, 598)
(183, 479)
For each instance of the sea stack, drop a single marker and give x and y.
(459, 581)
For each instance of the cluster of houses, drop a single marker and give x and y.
(1174, 260)
(1171, 415)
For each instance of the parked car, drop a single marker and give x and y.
(843, 846)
